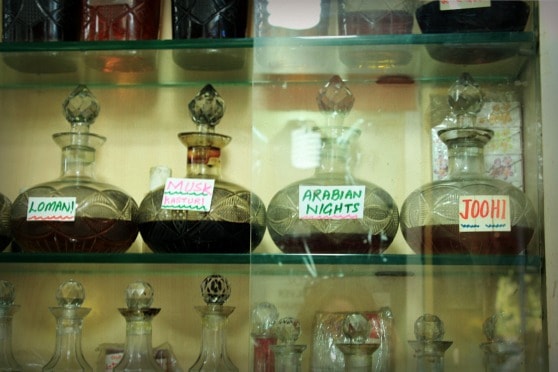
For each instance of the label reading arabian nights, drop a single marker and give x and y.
(330, 202)
(51, 209)
(484, 213)
(463, 4)
(191, 194)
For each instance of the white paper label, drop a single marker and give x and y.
(484, 213)
(463, 4)
(193, 194)
(330, 202)
(294, 14)
(51, 209)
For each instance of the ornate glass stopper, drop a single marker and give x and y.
(8, 362)
(70, 294)
(465, 96)
(335, 97)
(357, 352)
(139, 295)
(429, 328)
(264, 316)
(503, 350)
(429, 347)
(81, 107)
(287, 330)
(288, 355)
(207, 108)
(7, 293)
(357, 328)
(215, 290)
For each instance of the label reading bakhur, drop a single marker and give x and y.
(61, 209)
(463, 4)
(188, 194)
(484, 213)
(330, 202)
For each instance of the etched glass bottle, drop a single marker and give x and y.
(5, 231)
(75, 213)
(213, 355)
(428, 346)
(138, 349)
(264, 316)
(69, 315)
(357, 352)
(202, 213)
(287, 353)
(333, 212)
(8, 363)
(467, 213)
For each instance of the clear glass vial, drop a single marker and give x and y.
(263, 318)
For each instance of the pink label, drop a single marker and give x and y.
(463, 4)
(484, 213)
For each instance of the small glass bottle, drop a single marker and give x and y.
(86, 216)
(8, 363)
(264, 316)
(357, 352)
(213, 355)
(69, 315)
(429, 347)
(138, 350)
(234, 222)
(287, 354)
(333, 212)
(467, 213)
(5, 231)
(503, 352)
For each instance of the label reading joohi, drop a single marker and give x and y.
(330, 202)
(191, 194)
(51, 209)
(484, 213)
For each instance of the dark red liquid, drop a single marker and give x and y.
(182, 236)
(331, 243)
(138, 21)
(35, 20)
(379, 22)
(215, 19)
(4, 242)
(446, 239)
(84, 235)
(264, 360)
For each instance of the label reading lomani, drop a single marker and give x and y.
(330, 202)
(191, 194)
(484, 213)
(51, 209)
(463, 4)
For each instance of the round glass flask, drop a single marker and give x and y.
(176, 220)
(333, 212)
(75, 213)
(468, 212)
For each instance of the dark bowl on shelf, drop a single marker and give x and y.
(501, 16)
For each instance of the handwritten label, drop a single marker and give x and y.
(463, 4)
(191, 194)
(330, 202)
(51, 209)
(484, 213)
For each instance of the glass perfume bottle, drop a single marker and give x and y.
(467, 213)
(213, 357)
(264, 316)
(357, 352)
(75, 213)
(428, 346)
(333, 212)
(138, 350)
(5, 231)
(69, 315)
(8, 363)
(287, 354)
(202, 213)
(503, 352)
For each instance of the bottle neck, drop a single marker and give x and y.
(78, 162)
(204, 162)
(335, 153)
(138, 350)
(465, 161)
(7, 360)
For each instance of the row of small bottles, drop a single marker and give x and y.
(331, 212)
(274, 340)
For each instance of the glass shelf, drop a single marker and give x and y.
(261, 60)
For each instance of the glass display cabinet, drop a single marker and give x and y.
(496, 308)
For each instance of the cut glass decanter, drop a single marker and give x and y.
(8, 363)
(429, 346)
(357, 352)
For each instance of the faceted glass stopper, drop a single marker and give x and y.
(7, 293)
(70, 294)
(215, 290)
(335, 97)
(465, 96)
(139, 295)
(81, 106)
(429, 328)
(357, 328)
(287, 330)
(264, 316)
(207, 107)
(501, 327)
